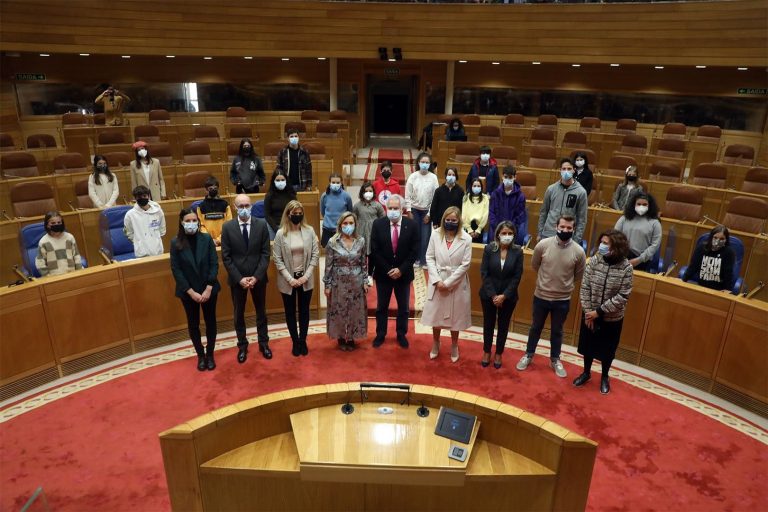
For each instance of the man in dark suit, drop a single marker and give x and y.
(394, 249)
(245, 252)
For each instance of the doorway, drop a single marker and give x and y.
(390, 106)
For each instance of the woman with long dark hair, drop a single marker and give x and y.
(102, 184)
(712, 264)
(605, 290)
(582, 172)
(146, 171)
(275, 201)
(640, 224)
(195, 268)
(247, 171)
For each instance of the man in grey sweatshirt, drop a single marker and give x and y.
(566, 197)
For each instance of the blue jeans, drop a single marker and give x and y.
(541, 308)
(425, 230)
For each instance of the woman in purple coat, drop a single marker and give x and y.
(508, 203)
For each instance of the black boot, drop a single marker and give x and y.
(210, 361)
(303, 347)
(202, 365)
(296, 350)
(582, 379)
(605, 385)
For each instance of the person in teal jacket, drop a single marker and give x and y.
(195, 267)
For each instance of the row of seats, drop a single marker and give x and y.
(151, 133)
(705, 133)
(740, 154)
(545, 157)
(20, 164)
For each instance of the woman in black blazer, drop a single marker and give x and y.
(195, 267)
(501, 270)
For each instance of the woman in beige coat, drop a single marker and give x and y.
(296, 254)
(146, 171)
(448, 304)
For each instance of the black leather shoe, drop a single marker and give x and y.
(351, 345)
(485, 363)
(242, 355)
(264, 349)
(377, 342)
(296, 350)
(210, 363)
(303, 348)
(201, 364)
(582, 379)
(403, 342)
(605, 385)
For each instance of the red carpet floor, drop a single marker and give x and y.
(97, 449)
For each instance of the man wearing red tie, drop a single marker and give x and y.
(394, 250)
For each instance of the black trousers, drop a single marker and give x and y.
(192, 309)
(490, 314)
(325, 236)
(384, 289)
(239, 298)
(289, 304)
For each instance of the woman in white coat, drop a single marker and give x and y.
(448, 304)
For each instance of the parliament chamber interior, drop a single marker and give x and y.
(101, 406)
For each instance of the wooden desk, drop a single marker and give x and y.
(295, 450)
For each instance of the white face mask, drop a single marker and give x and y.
(280, 185)
(641, 210)
(579, 162)
(509, 182)
(477, 190)
(450, 180)
(368, 196)
(143, 153)
(190, 228)
(293, 140)
(424, 167)
(394, 215)
(506, 239)
(485, 157)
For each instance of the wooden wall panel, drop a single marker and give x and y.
(714, 33)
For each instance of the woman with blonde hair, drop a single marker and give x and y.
(346, 283)
(296, 253)
(449, 254)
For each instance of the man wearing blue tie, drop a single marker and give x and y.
(245, 252)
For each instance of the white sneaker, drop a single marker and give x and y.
(524, 362)
(559, 368)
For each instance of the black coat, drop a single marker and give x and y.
(240, 261)
(585, 179)
(382, 260)
(498, 280)
(443, 199)
(196, 270)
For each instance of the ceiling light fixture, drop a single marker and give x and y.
(207, 58)
(658, 67)
(495, 63)
(285, 59)
(615, 65)
(248, 58)
(125, 56)
(85, 54)
(170, 56)
(742, 69)
(575, 65)
(45, 54)
(462, 62)
(535, 63)
(701, 67)
(321, 58)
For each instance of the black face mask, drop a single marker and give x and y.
(450, 226)
(57, 228)
(101, 168)
(247, 150)
(632, 178)
(213, 192)
(565, 235)
(142, 201)
(296, 219)
(386, 174)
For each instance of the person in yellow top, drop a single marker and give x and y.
(113, 101)
(474, 211)
(213, 211)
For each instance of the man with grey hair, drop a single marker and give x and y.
(394, 250)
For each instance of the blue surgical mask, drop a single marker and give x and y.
(477, 190)
(348, 229)
(335, 187)
(190, 228)
(566, 175)
(424, 166)
(509, 182)
(450, 180)
(280, 185)
(244, 213)
(604, 249)
(293, 140)
(394, 215)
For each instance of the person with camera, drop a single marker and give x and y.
(113, 101)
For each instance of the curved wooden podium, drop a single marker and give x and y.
(296, 450)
